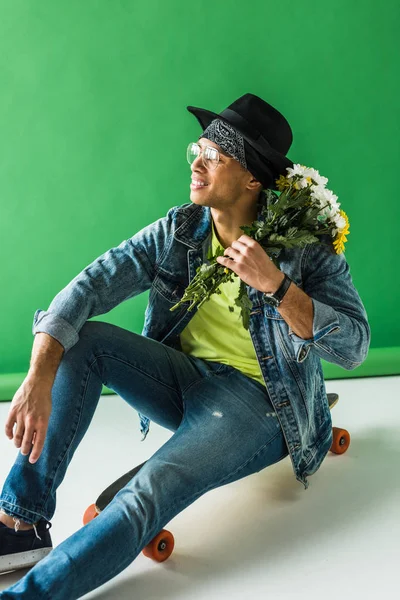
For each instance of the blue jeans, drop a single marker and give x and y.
(224, 427)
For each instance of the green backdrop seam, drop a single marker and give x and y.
(379, 362)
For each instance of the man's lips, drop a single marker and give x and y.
(195, 186)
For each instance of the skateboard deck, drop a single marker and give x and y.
(162, 545)
(333, 399)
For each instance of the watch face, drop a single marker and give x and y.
(272, 301)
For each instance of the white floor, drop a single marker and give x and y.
(262, 535)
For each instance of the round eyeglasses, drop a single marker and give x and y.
(209, 154)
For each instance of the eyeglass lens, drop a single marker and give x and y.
(210, 155)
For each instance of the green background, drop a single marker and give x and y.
(94, 129)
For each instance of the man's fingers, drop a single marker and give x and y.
(9, 426)
(19, 433)
(40, 436)
(26, 445)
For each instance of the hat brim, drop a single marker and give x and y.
(204, 116)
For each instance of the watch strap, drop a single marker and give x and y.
(280, 292)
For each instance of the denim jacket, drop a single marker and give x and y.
(163, 258)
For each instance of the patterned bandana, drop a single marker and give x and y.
(227, 138)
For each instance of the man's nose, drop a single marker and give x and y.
(198, 163)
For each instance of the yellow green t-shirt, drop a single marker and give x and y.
(217, 334)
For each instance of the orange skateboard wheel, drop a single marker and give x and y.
(160, 547)
(90, 513)
(341, 440)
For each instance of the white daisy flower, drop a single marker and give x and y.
(303, 183)
(328, 213)
(330, 196)
(340, 222)
(315, 176)
(317, 192)
(296, 170)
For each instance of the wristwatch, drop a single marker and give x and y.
(275, 298)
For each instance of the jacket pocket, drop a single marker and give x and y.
(170, 286)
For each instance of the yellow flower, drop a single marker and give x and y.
(282, 183)
(341, 236)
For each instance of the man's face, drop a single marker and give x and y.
(225, 184)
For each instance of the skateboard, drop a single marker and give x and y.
(341, 437)
(162, 545)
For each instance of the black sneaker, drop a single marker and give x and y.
(21, 549)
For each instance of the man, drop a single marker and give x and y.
(236, 400)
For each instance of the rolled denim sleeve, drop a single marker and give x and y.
(341, 332)
(117, 275)
(56, 326)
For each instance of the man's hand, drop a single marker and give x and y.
(252, 264)
(30, 410)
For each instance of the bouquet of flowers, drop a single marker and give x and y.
(304, 210)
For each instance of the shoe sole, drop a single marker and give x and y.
(21, 560)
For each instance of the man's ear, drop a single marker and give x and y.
(254, 184)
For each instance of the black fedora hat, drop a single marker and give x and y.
(262, 126)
